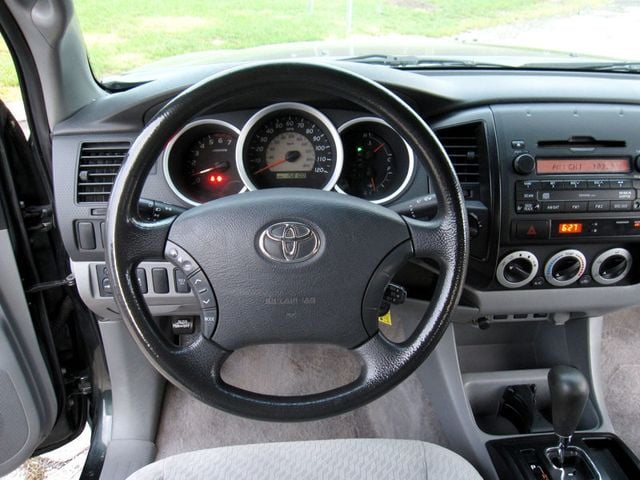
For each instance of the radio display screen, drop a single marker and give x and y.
(559, 166)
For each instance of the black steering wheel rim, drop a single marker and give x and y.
(196, 368)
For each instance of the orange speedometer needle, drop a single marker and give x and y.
(217, 166)
(373, 184)
(269, 165)
(375, 150)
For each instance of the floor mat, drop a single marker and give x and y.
(188, 424)
(620, 368)
(405, 412)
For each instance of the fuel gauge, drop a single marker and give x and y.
(378, 163)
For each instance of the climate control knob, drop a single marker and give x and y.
(565, 268)
(611, 266)
(517, 269)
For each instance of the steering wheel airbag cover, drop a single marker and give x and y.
(265, 301)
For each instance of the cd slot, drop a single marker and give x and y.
(582, 142)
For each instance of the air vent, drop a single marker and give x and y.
(464, 146)
(97, 169)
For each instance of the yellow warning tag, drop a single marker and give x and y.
(386, 318)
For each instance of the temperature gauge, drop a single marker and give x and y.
(378, 164)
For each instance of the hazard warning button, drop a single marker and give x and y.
(532, 229)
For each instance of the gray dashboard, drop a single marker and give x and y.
(502, 107)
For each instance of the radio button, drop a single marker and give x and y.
(576, 184)
(597, 184)
(622, 183)
(553, 207)
(576, 207)
(602, 206)
(525, 195)
(620, 206)
(527, 207)
(528, 185)
(551, 185)
(626, 194)
(636, 205)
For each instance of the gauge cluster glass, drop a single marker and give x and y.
(200, 163)
(378, 163)
(288, 145)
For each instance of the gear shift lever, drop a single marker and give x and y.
(569, 391)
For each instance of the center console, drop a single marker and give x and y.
(561, 457)
(570, 198)
(564, 250)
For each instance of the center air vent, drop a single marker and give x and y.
(463, 144)
(98, 167)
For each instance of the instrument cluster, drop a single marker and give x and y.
(288, 145)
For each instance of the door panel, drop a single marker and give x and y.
(28, 406)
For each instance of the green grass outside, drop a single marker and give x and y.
(123, 34)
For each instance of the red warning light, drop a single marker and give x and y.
(216, 179)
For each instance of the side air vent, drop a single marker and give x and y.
(98, 167)
(464, 145)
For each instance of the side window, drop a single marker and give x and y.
(10, 92)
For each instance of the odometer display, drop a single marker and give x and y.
(289, 145)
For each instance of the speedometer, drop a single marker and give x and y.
(289, 145)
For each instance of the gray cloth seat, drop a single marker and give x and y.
(326, 459)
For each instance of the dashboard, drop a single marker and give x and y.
(549, 164)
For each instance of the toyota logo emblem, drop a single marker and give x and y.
(289, 242)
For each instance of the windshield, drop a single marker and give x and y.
(147, 35)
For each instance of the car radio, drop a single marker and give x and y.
(592, 197)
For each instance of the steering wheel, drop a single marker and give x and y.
(287, 265)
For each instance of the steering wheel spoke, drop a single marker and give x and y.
(434, 239)
(144, 240)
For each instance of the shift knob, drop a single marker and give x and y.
(569, 391)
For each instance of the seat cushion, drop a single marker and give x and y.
(326, 459)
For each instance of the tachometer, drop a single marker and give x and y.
(289, 145)
(378, 163)
(199, 162)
